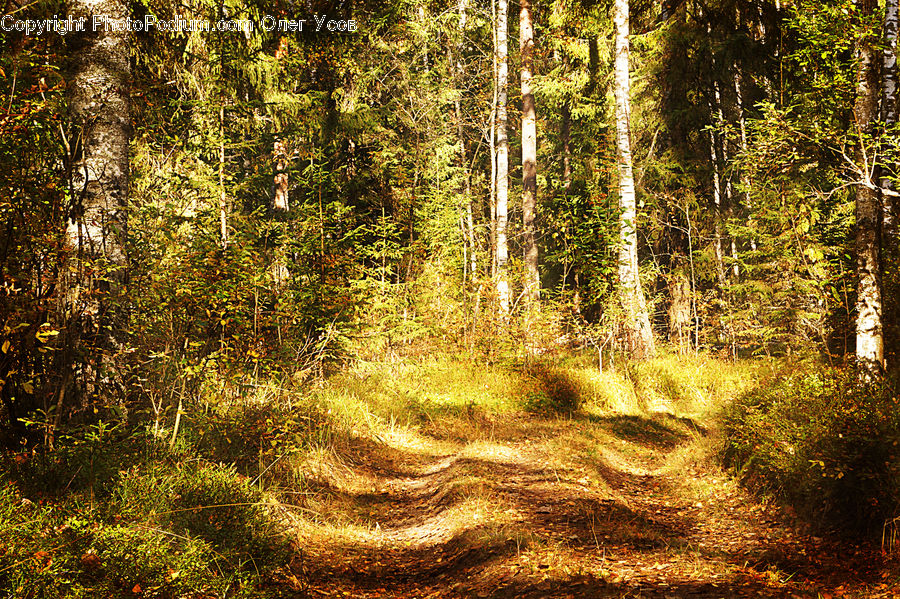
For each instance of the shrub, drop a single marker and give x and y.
(825, 443)
(210, 503)
(64, 550)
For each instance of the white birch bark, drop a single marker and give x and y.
(99, 108)
(529, 153)
(637, 321)
(889, 111)
(869, 336)
(502, 156)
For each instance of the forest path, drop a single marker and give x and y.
(531, 507)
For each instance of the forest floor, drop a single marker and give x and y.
(527, 506)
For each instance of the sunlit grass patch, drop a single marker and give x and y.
(372, 395)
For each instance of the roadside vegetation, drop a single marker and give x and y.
(116, 509)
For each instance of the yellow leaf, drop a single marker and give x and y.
(5, 347)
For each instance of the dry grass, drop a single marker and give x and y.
(451, 479)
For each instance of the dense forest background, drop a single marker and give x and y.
(289, 190)
(192, 220)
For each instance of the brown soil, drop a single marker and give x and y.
(531, 507)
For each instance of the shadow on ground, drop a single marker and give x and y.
(511, 514)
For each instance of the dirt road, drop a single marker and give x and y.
(530, 507)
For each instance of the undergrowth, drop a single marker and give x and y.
(825, 443)
(132, 508)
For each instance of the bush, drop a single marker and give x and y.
(110, 513)
(64, 550)
(825, 443)
(209, 503)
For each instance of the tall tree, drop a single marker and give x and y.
(459, 72)
(637, 321)
(529, 153)
(889, 116)
(99, 109)
(502, 52)
(889, 110)
(869, 336)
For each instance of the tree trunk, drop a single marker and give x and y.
(891, 248)
(717, 160)
(680, 311)
(99, 108)
(493, 143)
(223, 199)
(889, 113)
(869, 337)
(459, 73)
(502, 157)
(717, 207)
(529, 154)
(746, 181)
(280, 197)
(565, 134)
(637, 322)
(279, 270)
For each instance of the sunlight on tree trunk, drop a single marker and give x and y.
(529, 154)
(280, 197)
(869, 337)
(223, 199)
(637, 321)
(502, 157)
(98, 96)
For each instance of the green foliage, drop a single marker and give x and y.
(86, 461)
(109, 512)
(33, 198)
(556, 393)
(823, 442)
(245, 435)
(795, 279)
(210, 503)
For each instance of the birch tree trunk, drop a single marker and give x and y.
(637, 321)
(890, 258)
(717, 205)
(869, 337)
(99, 108)
(746, 181)
(718, 159)
(529, 154)
(502, 52)
(889, 113)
